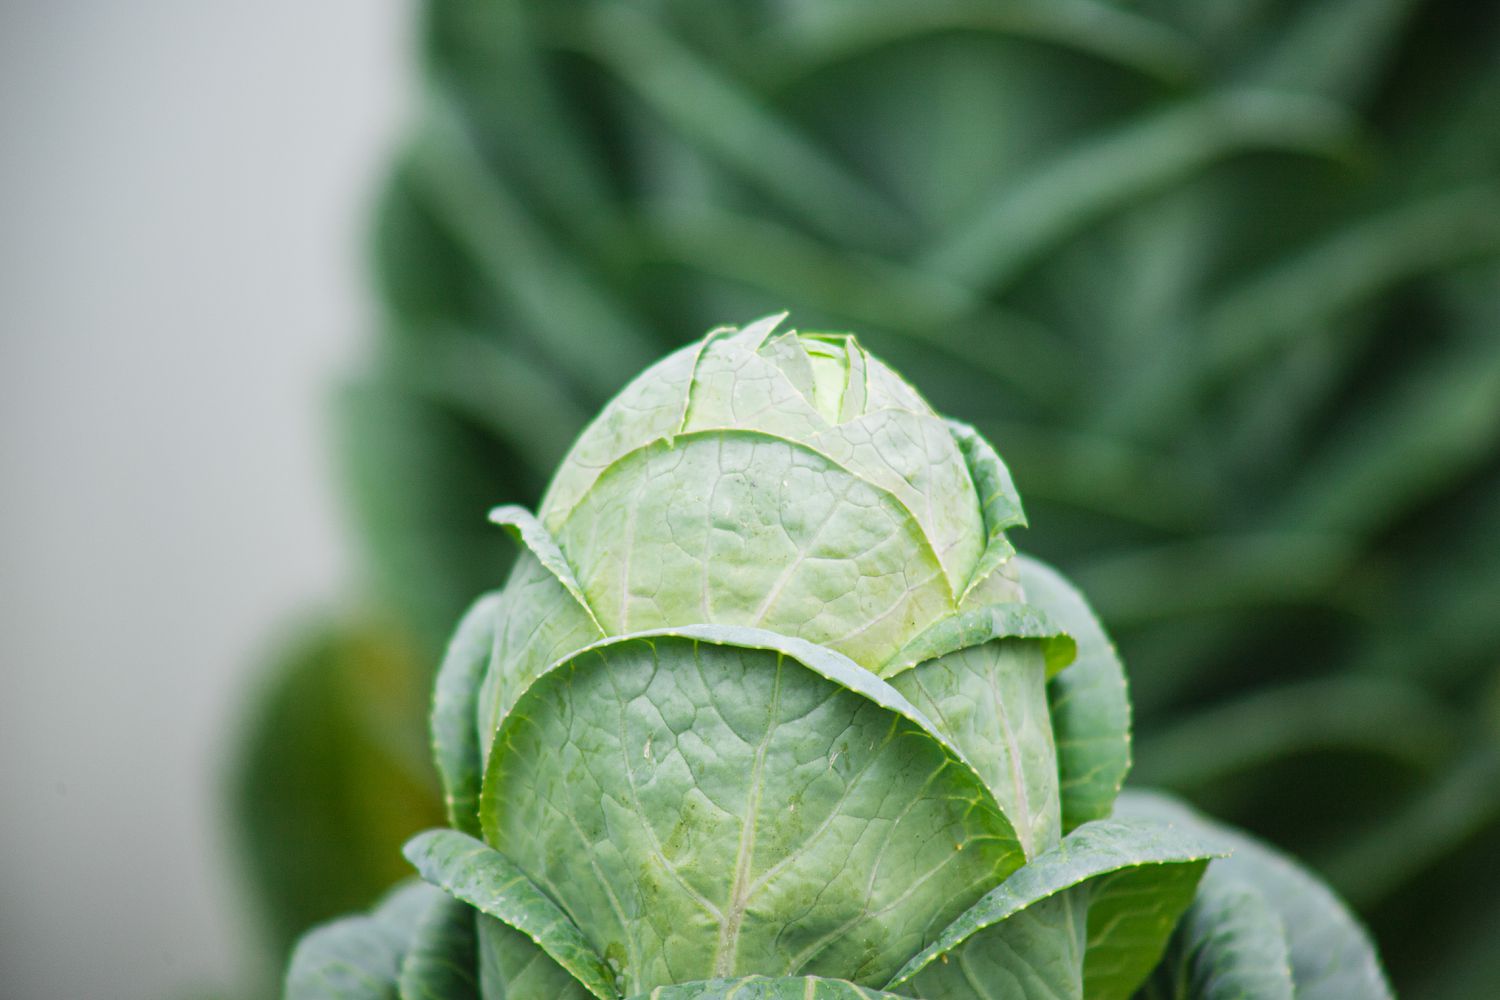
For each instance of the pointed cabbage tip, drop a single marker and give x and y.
(752, 336)
(830, 368)
(506, 514)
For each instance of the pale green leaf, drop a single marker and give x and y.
(981, 676)
(991, 701)
(1131, 916)
(488, 881)
(1034, 954)
(910, 454)
(766, 988)
(1131, 879)
(976, 626)
(455, 699)
(513, 967)
(742, 528)
(651, 407)
(714, 800)
(999, 503)
(540, 615)
(789, 354)
(1090, 704)
(535, 539)
(860, 415)
(998, 498)
(990, 580)
(848, 411)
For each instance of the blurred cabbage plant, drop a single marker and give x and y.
(1220, 280)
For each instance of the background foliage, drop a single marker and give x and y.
(1221, 281)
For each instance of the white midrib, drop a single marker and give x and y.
(739, 893)
(1023, 823)
(1024, 830)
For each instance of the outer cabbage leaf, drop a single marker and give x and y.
(981, 677)
(1000, 505)
(514, 967)
(1230, 945)
(1131, 916)
(766, 988)
(359, 957)
(492, 884)
(542, 615)
(711, 800)
(455, 700)
(1090, 702)
(442, 963)
(1332, 957)
(1088, 918)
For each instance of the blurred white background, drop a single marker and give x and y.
(183, 188)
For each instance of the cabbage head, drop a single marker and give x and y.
(770, 707)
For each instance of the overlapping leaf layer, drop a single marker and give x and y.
(769, 707)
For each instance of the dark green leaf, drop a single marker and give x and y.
(1230, 945)
(443, 961)
(1332, 957)
(1030, 217)
(1300, 293)
(695, 98)
(421, 478)
(569, 316)
(1387, 718)
(831, 32)
(1451, 810)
